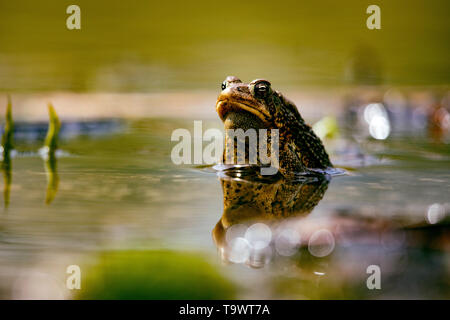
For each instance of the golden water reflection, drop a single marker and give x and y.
(253, 226)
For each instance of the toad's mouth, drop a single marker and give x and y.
(224, 107)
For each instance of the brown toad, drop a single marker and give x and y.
(257, 106)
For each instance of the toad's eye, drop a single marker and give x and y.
(224, 85)
(261, 89)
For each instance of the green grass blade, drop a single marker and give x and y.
(7, 138)
(51, 140)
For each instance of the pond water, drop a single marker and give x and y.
(119, 191)
(139, 226)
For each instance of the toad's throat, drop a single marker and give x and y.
(224, 107)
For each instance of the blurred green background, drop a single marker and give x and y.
(170, 45)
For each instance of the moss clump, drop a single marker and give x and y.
(153, 275)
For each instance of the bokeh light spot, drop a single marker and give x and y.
(435, 213)
(258, 235)
(239, 250)
(287, 242)
(321, 243)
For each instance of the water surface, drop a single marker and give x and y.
(120, 191)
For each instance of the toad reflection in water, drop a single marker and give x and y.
(252, 227)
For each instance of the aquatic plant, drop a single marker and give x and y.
(50, 146)
(51, 140)
(8, 133)
(48, 153)
(7, 146)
